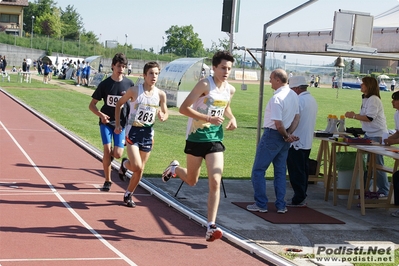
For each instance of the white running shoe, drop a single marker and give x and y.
(213, 233)
(170, 171)
(395, 214)
(282, 211)
(255, 208)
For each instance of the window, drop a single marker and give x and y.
(7, 18)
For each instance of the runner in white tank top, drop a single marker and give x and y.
(145, 102)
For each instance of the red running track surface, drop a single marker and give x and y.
(52, 211)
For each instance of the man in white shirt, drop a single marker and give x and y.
(298, 154)
(393, 83)
(28, 64)
(281, 118)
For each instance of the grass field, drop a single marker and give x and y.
(70, 109)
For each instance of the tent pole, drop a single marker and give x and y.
(262, 73)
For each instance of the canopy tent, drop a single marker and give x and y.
(93, 61)
(57, 60)
(322, 43)
(384, 44)
(179, 77)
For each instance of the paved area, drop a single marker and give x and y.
(376, 226)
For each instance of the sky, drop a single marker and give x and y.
(145, 22)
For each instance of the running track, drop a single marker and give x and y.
(52, 211)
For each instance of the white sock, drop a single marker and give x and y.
(124, 164)
(127, 193)
(209, 224)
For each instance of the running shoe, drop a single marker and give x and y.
(282, 211)
(122, 171)
(107, 186)
(255, 208)
(299, 205)
(128, 200)
(395, 214)
(170, 171)
(213, 233)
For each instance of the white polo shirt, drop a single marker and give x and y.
(282, 106)
(307, 121)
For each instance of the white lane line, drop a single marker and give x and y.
(61, 199)
(58, 259)
(35, 192)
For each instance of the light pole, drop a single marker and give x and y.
(79, 45)
(126, 44)
(163, 39)
(31, 34)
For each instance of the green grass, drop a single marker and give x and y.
(70, 109)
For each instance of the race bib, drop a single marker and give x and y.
(146, 114)
(217, 108)
(112, 100)
(216, 111)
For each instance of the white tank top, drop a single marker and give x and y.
(143, 110)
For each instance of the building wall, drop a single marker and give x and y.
(375, 65)
(13, 10)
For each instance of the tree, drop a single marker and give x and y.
(352, 69)
(182, 41)
(89, 37)
(37, 9)
(72, 23)
(224, 44)
(49, 24)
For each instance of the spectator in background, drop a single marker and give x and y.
(24, 68)
(28, 64)
(393, 83)
(383, 84)
(39, 67)
(78, 73)
(334, 82)
(86, 75)
(289, 76)
(4, 64)
(317, 80)
(46, 71)
(203, 73)
(100, 67)
(129, 69)
(298, 154)
(311, 80)
(50, 73)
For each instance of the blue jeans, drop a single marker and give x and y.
(381, 179)
(271, 149)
